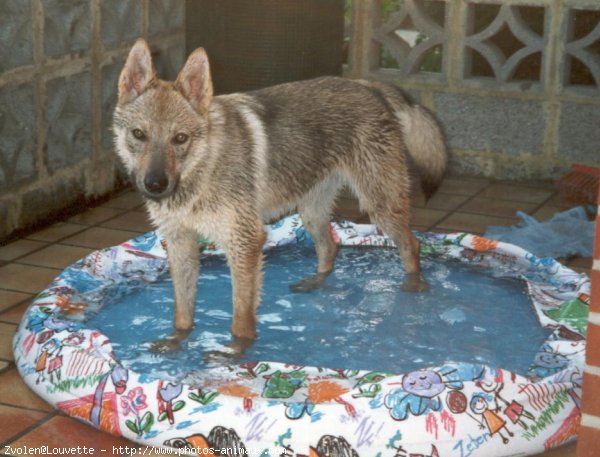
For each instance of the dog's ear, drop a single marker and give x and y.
(137, 73)
(194, 81)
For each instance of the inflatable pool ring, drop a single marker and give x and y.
(459, 409)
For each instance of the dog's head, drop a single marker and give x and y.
(160, 126)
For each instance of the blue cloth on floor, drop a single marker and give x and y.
(566, 234)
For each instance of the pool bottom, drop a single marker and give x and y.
(359, 319)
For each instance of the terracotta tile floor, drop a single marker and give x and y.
(27, 265)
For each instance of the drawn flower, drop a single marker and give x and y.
(134, 402)
(170, 392)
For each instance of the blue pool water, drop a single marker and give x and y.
(359, 319)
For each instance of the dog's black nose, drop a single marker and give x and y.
(156, 184)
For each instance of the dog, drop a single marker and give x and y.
(221, 166)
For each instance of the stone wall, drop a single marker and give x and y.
(516, 83)
(59, 64)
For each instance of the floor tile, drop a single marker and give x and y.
(26, 278)
(506, 191)
(580, 264)
(15, 420)
(62, 431)
(127, 200)
(441, 201)
(496, 207)
(7, 332)
(98, 238)
(14, 315)
(463, 186)
(56, 256)
(558, 199)
(9, 299)
(18, 248)
(56, 232)
(584, 262)
(472, 223)
(95, 215)
(547, 211)
(132, 220)
(426, 217)
(420, 228)
(14, 392)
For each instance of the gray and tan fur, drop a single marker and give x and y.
(221, 166)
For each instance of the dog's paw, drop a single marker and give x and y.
(171, 343)
(232, 353)
(165, 346)
(309, 284)
(414, 283)
(220, 357)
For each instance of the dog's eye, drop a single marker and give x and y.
(180, 138)
(138, 134)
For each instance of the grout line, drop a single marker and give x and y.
(58, 240)
(25, 408)
(552, 195)
(20, 303)
(23, 291)
(29, 429)
(54, 268)
(460, 205)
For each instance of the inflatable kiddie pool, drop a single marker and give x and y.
(268, 407)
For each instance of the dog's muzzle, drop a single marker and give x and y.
(156, 186)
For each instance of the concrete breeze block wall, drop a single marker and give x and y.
(515, 83)
(59, 65)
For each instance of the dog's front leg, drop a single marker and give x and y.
(183, 254)
(244, 254)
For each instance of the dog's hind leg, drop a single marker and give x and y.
(315, 211)
(384, 192)
(395, 223)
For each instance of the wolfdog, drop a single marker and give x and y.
(220, 166)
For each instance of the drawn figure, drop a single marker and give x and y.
(543, 264)
(513, 410)
(573, 313)
(49, 350)
(143, 242)
(401, 452)
(46, 326)
(490, 420)
(369, 385)
(50, 359)
(219, 439)
(70, 306)
(119, 376)
(283, 385)
(297, 410)
(332, 446)
(420, 392)
(547, 362)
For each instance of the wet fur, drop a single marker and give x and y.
(256, 156)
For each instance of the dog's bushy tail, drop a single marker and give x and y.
(422, 134)
(424, 140)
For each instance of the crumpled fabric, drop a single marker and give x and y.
(566, 234)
